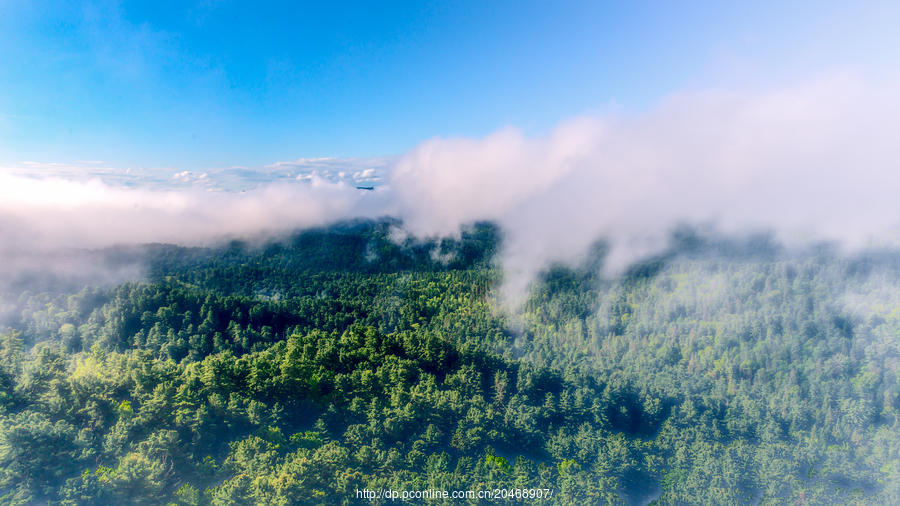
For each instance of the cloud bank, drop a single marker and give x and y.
(51, 213)
(350, 171)
(816, 160)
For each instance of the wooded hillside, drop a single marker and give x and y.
(338, 360)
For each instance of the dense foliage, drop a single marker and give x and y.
(350, 358)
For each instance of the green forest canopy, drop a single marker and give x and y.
(302, 371)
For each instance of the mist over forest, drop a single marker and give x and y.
(692, 305)
(695, 305)
(721, 369)
(340, 253)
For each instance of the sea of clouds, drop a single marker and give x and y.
(816, 160)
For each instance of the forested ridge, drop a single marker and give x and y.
(350, 358)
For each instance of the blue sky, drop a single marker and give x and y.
(200, 85)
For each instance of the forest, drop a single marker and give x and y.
(303, 370)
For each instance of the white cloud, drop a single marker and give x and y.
(55, 212)
(816, 160)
